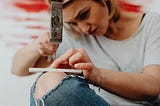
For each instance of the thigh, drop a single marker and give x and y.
(71, 91)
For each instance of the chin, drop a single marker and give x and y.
(100, 33)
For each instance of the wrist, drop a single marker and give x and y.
(99, 79)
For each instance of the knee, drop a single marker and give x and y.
(47, 82)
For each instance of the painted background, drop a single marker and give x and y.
(21, 21)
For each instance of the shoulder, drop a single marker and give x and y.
(152, 18)
(152, 15)
(151, 22)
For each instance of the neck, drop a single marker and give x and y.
(126, 26)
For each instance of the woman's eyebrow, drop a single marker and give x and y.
(77, 15)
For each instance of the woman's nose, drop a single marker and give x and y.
(84, 27)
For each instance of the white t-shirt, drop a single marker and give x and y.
(129, 55)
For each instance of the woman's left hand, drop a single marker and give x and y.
(77, 59)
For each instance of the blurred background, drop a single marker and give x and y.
(21, 21)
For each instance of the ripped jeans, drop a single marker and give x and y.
(71, 91)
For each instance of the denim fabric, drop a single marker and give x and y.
(71, 91)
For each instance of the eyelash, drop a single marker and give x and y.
(84, 15)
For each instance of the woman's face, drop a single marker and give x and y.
(87, 16)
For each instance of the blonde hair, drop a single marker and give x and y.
(113, 9)
(111, 4)
(64, 1)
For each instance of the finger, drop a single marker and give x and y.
(45, 52)
(64, 58)
(84, 66)
(77, 57)
(42, 46)
(47, 46)
(53, 47)
(82, 50)
(85, 54)
(46, 41)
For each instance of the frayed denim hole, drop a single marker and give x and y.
(34, 86)
(57, 86)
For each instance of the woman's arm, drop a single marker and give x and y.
(33, 55)
(136, 86)
(23, 59)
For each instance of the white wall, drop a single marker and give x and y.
(14, 91)
(155, 6)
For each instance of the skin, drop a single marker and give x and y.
(34, 55)
(84, 22)
(134, 86)
(120, 83)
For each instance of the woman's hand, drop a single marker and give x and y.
(77, 59)
(44, 47)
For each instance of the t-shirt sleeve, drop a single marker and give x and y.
(152, 50)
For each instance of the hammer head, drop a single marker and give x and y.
(56, 22)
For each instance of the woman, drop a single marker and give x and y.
(118, 52)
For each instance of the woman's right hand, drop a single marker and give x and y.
(44, 46)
